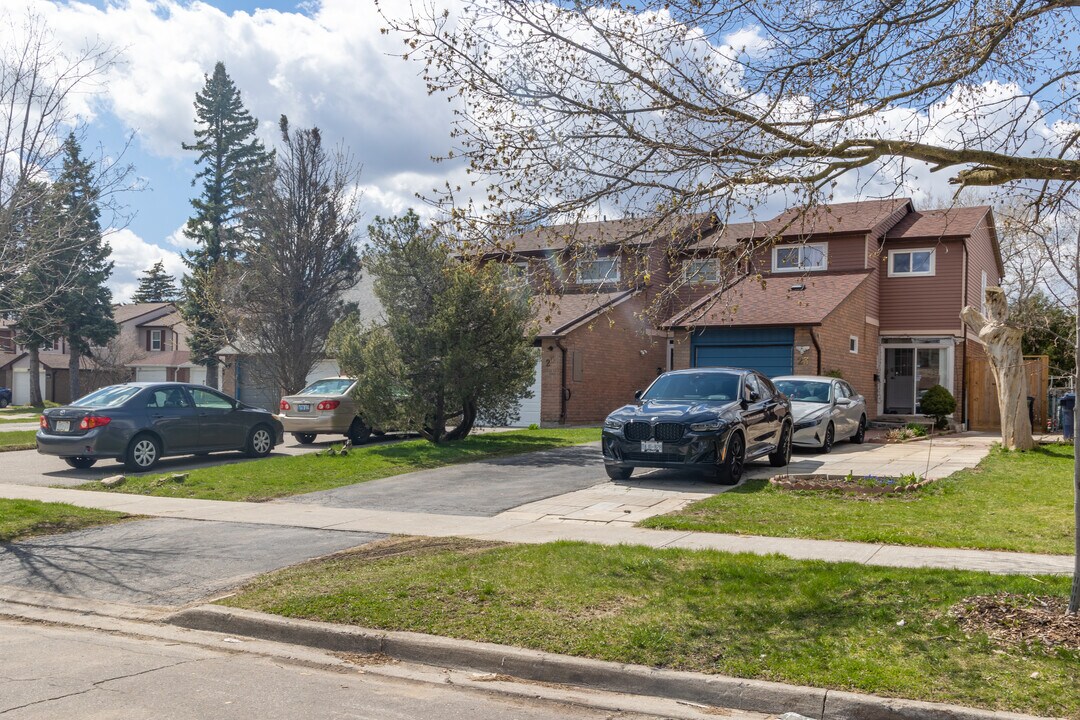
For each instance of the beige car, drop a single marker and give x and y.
(325, 407)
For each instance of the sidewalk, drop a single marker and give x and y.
(538, 526)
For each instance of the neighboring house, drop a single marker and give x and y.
(151, 345)
(869, 290)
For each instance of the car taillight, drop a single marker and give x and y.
(285, 406)
(43, 422)
(92, 421)
(328, 405)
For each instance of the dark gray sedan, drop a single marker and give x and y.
(140, 422)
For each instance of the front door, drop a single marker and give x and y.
(899, 381)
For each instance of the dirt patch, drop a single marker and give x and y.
(411, 546)
(1027, 620)
(853, 485)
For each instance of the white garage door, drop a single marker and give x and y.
(198, 375)
(150, 374)
(20, 390)
(529, 409)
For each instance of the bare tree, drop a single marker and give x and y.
(285, 293)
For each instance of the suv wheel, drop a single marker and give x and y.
(618, 473)
(782, 455)
(143, 453)
(730, 471)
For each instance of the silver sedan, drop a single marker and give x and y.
(825, 410)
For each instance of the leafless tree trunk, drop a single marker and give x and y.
(1002, 343)
(73, 371)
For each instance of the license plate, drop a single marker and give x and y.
(652, 446)
(63, 426)
(303, 408)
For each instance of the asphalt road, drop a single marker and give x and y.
(162, 561)
(484, 488)
(51, 672)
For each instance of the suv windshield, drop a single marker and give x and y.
(703, 386)
(811, 391)
(328, 387)
(112, 396)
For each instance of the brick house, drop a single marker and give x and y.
(869, 290)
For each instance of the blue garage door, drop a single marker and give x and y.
(767, 350)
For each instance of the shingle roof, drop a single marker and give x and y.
(607, 233)
(59, 361)
(748, 302)
(130, 311)
(555, 314)
(175, 358)
(938, 223)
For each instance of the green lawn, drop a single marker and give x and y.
(280, 476)
(17, 440)
(1011, 501)
(835, 625)
(21, 519)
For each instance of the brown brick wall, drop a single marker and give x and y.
(834, 335)
(615, 357)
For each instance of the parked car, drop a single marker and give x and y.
(325, 407)
(716, 419)
(141, 422)
(826, 409)
(5, 397)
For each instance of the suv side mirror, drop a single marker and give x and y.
(638, 394)
(754, 396)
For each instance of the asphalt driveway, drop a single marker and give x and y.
(163, 561)
(482, 489)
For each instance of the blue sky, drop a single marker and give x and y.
(322, 63)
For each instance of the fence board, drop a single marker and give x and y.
(983, 411)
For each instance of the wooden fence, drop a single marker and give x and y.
(982, 392)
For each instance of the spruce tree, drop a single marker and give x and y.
(157, 286)
(85, 305)
(231, 159)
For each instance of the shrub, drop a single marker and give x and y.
(916, 430)
(937, 403)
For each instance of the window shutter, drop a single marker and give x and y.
(147, 340)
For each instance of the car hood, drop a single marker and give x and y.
(673, 411)
(799, 410)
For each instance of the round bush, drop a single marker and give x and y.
(938, 403)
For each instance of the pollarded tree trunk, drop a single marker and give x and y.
(1002, 343)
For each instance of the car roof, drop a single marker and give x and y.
(717, 370)
(821, 378)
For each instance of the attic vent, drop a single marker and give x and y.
(798, 287)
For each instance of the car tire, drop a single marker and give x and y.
(860, 435)
(359, 433)
(80, 462)
(830, 438)
(304, 438)
(730, 471)
(143, 453)
(260, 442)
(618, 473)
(4, 402)
(782, 456)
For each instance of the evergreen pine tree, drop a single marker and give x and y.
(157, 286)
(85, 306)
(231, 159)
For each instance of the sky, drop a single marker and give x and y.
(321, 63)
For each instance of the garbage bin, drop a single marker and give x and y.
(1068, 404)
(1031, 412)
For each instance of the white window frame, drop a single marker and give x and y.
(157, 337)
(912, 251)
(823, 247)
(694, 277)
(607, 278)
(853, 344)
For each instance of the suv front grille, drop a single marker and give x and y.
(637, 431)
(669, 432)
(664, 432)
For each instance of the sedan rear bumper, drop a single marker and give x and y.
(95, 443)
(315, 424)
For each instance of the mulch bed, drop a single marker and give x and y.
(1013, 619)
(839, 483)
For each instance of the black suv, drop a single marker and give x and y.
(710, 418)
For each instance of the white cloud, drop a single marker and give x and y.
(131, 255)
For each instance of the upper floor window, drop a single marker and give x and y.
(698, 271)
(598, 270)
(912, 262)
(799, 258)
(155, 340)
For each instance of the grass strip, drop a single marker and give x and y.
(17, 440)
(878, 630)
(1020, 501)
(20, 519)
(281, 476)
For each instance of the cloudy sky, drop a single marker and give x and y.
(321, 63)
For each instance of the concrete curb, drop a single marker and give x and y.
(715, 690)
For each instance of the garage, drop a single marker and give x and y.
(20, 390)
(151, 374)
(767, 350)
(529, 409)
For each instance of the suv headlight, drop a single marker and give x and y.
(707, 426)
(613, 424)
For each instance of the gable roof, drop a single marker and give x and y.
(627, 232)
(952, 222)
(130, 311)
(751, 301)
(558, 314)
